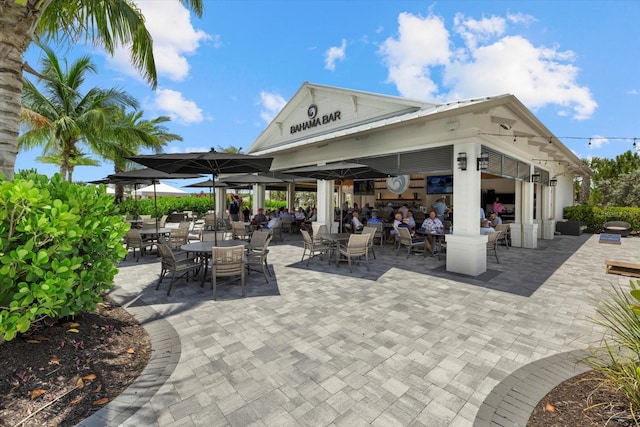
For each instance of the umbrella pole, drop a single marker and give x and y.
(155, 205)
(215, 219)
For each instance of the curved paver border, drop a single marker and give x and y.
(166, 349)
(513, 400)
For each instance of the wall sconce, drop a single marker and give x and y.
(483, 161)
(553, 182)
(535, 177)
(462, 161)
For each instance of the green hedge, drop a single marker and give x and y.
(594, 217)
(59, 246)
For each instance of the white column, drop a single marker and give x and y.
(529, 229)
(548, 223)
(516, 228)
(325, 202)
(291, 195)
(221, 201)
(258, 197)
(466, 248)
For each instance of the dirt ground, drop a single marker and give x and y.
(59, 374)
(579, 402)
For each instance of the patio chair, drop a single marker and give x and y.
(504, 237)
(163, 221)
(276, 230)
(357, 247)
(133, 240)
(492, 243)
(286, 224)
(240, 232)
(207, 237)
(372, 232)
(210, 221)
(313, 246)
(411, 243)
(379, 232)
(176, 264)
(228, 229)
(228, 262)
(178, 237)
(257, 252)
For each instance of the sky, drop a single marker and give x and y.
(222, 78)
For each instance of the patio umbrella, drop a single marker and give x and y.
(338, 171)
(150, 175)
(212, 162)
(250, 178)
(210, 185)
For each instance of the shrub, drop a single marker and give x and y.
(594, 217)
(59, 244)
(619, 357)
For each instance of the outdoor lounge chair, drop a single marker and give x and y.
(617, 227)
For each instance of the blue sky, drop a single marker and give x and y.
(223, 77)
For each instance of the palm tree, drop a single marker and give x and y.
(60, 118)
(230, 149)
(127, 134)
(106, 23)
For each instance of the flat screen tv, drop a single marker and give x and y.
(365, 187)
(440, 184)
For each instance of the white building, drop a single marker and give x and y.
(415, 140)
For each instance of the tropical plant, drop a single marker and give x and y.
(126, 134)
(618, 358)
(105, 23)
(60, 118)
(59, 246)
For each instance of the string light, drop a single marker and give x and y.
(634, 139)
(589, 142)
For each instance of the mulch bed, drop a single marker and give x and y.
(581, 402)
(61, 373)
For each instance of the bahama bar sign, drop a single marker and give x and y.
(315, 120)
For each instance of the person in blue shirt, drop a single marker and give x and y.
(485, 227)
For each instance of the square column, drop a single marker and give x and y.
(466, 248)
(325, 202)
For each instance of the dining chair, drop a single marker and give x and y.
(228, 262)
(174, 263)
(276, 230)
(210, 221)
(178, 237)
(379, 231)
(492, 243)
(207, 237)
(257, 252)
(405, 239)
(286, 224)
(504, 237)
(372, 232)
(240, 231)
(133, 240)
(313, 246)
(356, 248)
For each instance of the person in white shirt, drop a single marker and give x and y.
(357, 225)
(403, 210)
(299, 215)
(273, 221)
(432, 223)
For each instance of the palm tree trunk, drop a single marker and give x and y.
(17, 24)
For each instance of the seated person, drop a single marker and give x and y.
(495, 219)
(260, 217)
(409, 219)
(299, 215)
(415, 239)
(355, 221)
(485, 226)
(346, 219)
(284, 213)
(314, 215)
(273, 221)
(396, 222)
(432, 224)
(374, 218)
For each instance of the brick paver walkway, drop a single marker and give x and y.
(404, 344)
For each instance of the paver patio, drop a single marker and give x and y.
(404, 344)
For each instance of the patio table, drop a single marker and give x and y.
(203, 249)
(334, 240)
(438, 237)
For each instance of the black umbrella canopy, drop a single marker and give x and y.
(250, 178)
(338, 171)
(212, 162)
(207, 184)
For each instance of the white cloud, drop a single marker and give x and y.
(181, 149)
(422, 43)
(633, 92)
(174, 38)
(271, 104)
(334, 54)
(171, 103)
(489, 61)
